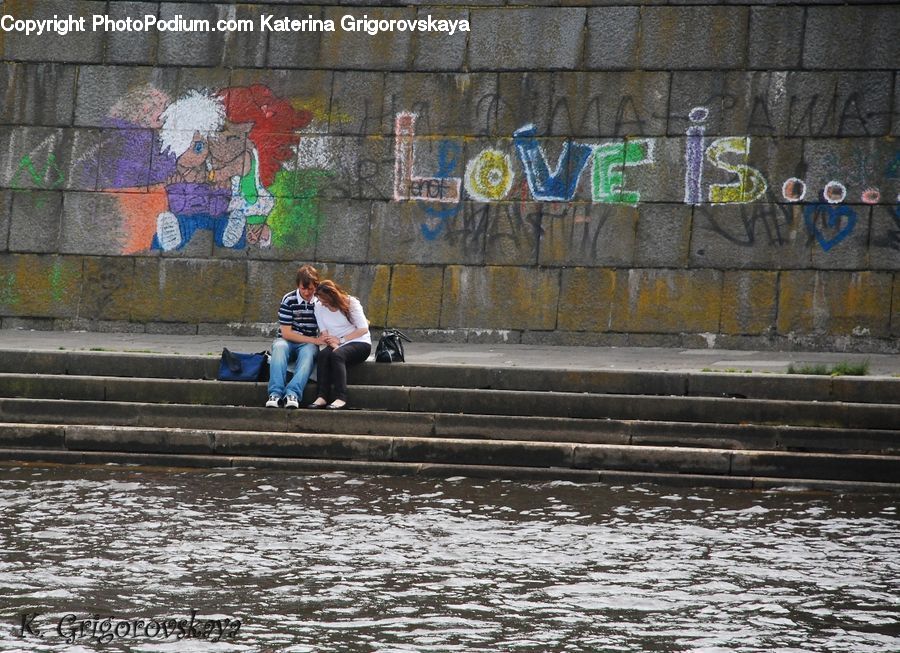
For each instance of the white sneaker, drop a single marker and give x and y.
(273, 401)
(234, 229)
(167, 231)
(291, 402)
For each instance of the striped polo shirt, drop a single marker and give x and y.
(299, 314)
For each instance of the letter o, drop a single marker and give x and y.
(489, 175)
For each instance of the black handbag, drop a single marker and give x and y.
(235, 366)
(390, 347)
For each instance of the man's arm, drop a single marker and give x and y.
(292, 336)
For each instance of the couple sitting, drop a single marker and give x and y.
(317, 314)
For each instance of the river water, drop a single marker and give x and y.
(112, 558)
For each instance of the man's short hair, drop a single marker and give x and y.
(307, 276)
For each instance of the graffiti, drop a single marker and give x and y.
(547, 186)
(448, 158)
(224, 162)
(834, 192)
(750, 185)
(610, 161)
(760, 224)
(489, 176)
(49, 177)
(407, 185)
(693, 156)
(793, 189)
(824, 220)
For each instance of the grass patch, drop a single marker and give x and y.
(843, 368)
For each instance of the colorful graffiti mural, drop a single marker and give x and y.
(224, 162)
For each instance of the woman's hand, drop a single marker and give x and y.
(332, 341)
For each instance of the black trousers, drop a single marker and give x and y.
(332, 368)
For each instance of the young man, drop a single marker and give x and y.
(298, 341)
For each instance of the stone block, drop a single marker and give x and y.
(469, 452)
(36, 286)
(106, 291)
(415, 297)
(756, 235)
(343, 233)
(132, 47)
(775, 160)
(296, 49)
(35, 221)
(357, 103)
(74, 47)
(667, 301)
(852, 37)
(40, 158)
(37, 94)
(653, 459)
(884, 247)
(349, 167)
(612, 40)
(591, 105)
(92, 223)
(895, 130)
(195, 46)
(693, 37)
(522, 98)
(776, 37)
(601, 235)
(895, 307)
(663, 236)
(443, 103)
(585, 301)
(500, 297)
(526, 39)
(749, 302)
(123, 96)
(440, 50)
(188, 291)
(246, 49)
(405, 232)
(660, 178)
(345, 49)
(513, 230)
(834, 303)
(6, 198)
(369, 283)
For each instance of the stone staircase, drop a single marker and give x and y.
(720, 429)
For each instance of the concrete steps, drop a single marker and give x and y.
(721, 429)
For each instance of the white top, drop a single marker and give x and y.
(336, 324)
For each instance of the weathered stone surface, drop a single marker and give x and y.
(92, 223)
(526, 39)
(585, 299)
(188, 291)
(344, 231)
(884, 246)
(415, 297)
(776, 37)
(6, 198)
(500, 297)
(667, 301)
(132, 46)
(513, 230)
(601, 235)
(661, 177)
(439, 50)
(869, 32)
(832, 248)
(406, 233)
(749, 302)
(246, 48)
(39, 286)
(75, 46)
(35, 221)
(106, 292)
(39, 158)
(346, 49)
(895, 307)
(857, 164)
(755, 235)
(357, 103)
(295, 49)
(612, 41)
(37, 94)
(107, 92)
(443, 103)
(663, 236)
(834, 303)
(693, 37)
(197, 46)
(522, 98)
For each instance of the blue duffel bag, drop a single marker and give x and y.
(236, 366)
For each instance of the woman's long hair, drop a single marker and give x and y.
(335, 296)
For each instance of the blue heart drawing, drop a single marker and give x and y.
(832, 218)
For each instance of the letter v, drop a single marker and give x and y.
(546, 186)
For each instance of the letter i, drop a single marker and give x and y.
(693, 156)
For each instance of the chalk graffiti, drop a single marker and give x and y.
(693, 156)
(547, 186)
(829, 224)
(489, 176)
(223, 161)
(610, 161)
(409, 186)
(750, 185)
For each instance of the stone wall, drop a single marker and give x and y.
(630, 173)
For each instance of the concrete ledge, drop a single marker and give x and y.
(758, 386)
(162, 441)
(653, 459)
(37, 436)
(531, 429)
(880, 469)
(477, 452)
(692, 434)
(800, 438)
(304, 445)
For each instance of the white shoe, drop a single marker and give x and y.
(234, 229)
(273, 402)
(291, 402)
(167, 231)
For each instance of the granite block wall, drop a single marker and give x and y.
(680, 173)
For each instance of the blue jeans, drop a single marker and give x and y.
(283, 352)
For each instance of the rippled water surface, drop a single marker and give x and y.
(338, 562)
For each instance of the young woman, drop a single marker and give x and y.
(345, 329)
